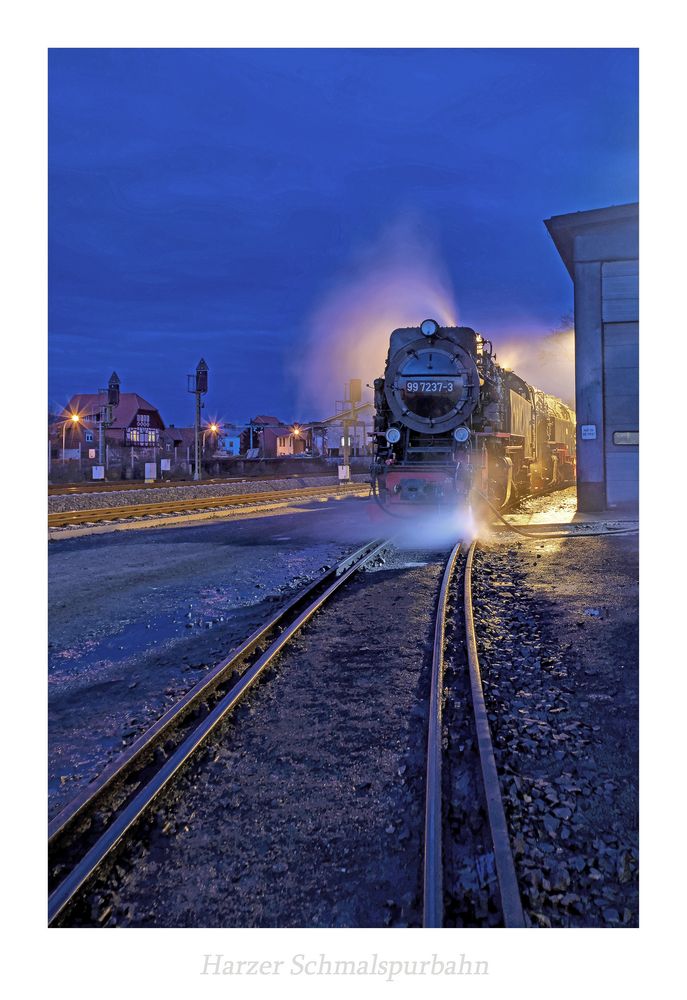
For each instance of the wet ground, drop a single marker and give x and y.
(557, 626)
(136, 618)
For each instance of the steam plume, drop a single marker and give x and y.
(399, 281)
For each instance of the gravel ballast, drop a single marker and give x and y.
(307, 809)
(557, 625)
(135, 620)
(125, 498)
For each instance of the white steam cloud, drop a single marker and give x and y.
(399, 281)
(546, 362)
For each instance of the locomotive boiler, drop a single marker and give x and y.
(450, 422)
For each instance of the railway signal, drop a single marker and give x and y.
(198, 385)
(107, 413)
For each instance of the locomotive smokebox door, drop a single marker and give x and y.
(431, 381)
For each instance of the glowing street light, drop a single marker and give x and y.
(210, 429)
(73, 419)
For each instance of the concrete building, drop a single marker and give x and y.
(600, 250)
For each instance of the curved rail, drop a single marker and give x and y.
(433, 890)
(433, 882)
(511, 906)
(94, 857)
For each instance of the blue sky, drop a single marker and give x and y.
(225, 202)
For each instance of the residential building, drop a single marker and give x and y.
(133, 423)
(229, 441)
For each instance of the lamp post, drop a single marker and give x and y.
(73, 420)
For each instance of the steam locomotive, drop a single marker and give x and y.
(450, 422)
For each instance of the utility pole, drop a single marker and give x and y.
(345, 473)
(198, 385)
(352, 392)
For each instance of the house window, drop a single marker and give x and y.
(89, 437)
(141, 436)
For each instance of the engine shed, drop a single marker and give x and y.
(600, 249)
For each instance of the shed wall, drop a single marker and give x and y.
(607, 364)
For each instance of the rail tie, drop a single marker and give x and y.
(82, 871)
(511, 905)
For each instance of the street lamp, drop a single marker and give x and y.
(210, 429)
(74, 419)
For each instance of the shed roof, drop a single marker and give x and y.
(564, 228)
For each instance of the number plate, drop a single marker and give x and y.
(430, 387)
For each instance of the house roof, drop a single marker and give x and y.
(266, 420)
(123, 415)
(184, 434)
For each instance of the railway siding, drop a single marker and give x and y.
(332, 752)
(60, 503)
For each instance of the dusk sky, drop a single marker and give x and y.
(239, 204)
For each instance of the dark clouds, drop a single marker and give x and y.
(208, 201)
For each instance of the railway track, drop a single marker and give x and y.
(93, 515)
(85, 834)
(464, 868)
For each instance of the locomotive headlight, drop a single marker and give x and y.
(393, 435)
(429, 327)
(461, 434)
